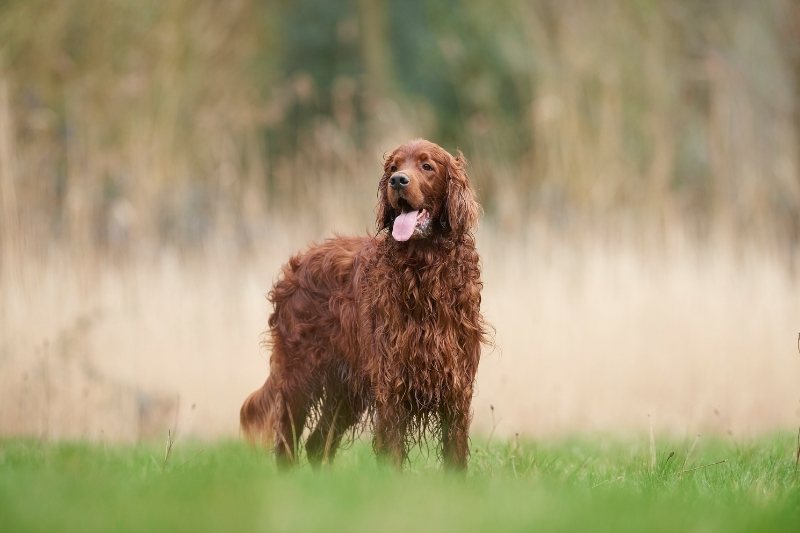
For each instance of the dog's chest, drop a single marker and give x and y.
(425, 298)
(421, 326)
(417, 306)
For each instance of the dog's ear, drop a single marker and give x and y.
(461, 206)
(384, 214)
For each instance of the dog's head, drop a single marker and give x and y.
(425, 191)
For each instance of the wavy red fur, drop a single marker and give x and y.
(372, 329)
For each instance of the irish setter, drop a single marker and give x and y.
(386, 329)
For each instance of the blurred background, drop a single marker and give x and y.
(638, 163)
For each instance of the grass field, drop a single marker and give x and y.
(565, 485)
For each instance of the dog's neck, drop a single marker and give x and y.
(422, 252)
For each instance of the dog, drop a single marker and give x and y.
(385, 329)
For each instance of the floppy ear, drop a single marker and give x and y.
(461, 207)
(384, 214)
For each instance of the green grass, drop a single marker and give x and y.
(586, 484)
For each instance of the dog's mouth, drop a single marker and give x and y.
(410, 223)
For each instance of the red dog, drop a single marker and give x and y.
(389, 325)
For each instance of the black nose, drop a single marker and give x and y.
(398, 181)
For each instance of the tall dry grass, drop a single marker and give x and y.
(590, 336)
(639, 171)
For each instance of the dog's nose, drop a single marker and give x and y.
(398, 181)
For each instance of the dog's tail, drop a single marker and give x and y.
(259, 415)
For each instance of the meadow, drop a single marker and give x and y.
(568, 484)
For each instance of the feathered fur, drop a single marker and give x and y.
(373, 329)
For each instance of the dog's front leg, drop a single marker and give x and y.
(390, 434)
(455, 432)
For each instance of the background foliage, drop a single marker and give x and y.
(125, 122)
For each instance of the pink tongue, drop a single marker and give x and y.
(404, 226)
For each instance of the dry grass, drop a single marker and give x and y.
(591, 336)
(608, 338)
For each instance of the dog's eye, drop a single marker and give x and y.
(426, 166)
(393, 168)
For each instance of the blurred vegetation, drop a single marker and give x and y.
(563, 485)
(125, 122)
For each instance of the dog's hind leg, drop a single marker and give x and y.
(339, 413)
(275, 415)
(257, 415)
(291, 414)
